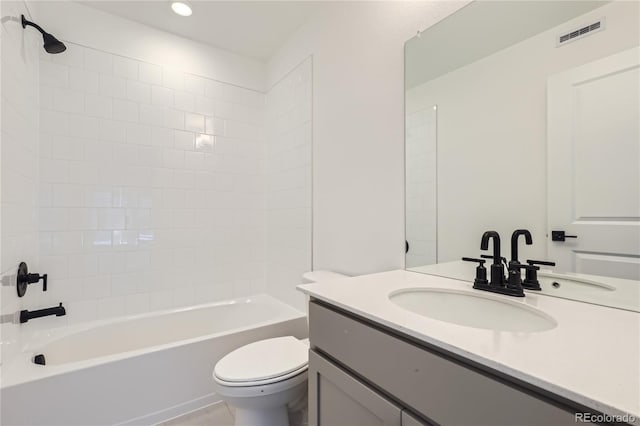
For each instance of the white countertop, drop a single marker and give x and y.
(592, 357)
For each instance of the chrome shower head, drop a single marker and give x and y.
(51, 44)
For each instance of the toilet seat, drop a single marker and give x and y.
(229, 390)
(263, 362)
(261, 382)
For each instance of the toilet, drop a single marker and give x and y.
(265, 379)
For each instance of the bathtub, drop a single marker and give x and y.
(138, 370)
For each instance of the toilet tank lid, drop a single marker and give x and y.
(316, 276)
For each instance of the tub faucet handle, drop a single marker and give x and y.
(43, 277)
(34, 278)
(24, 278)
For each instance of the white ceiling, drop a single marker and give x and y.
(250, 28)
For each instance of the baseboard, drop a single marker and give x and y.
(173, 412)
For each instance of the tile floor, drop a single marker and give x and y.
(214, 415)
(222, 415)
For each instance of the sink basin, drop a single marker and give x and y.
(472, 310)
(561, 283)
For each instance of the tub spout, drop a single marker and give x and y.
(29, 315)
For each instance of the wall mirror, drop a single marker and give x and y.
(524, 115)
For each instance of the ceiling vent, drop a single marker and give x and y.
(578, 33)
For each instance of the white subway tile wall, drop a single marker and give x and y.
(152, 189)
(18, 166)
(289, 159)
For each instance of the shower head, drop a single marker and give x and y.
(51, 44)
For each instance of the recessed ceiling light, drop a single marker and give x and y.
(181, 9)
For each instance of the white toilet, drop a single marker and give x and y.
(264, 379)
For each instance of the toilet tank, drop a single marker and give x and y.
(318, 276)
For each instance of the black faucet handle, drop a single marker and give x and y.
(24, 278)
(531, 279)
(473, 259)
(541, 262)
(34, 278)
(488, 256)
(481, 272)
(522, 266)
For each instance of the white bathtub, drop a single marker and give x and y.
(137, 370)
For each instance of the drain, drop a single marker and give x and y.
(39, 359)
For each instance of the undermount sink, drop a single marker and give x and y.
(553, 282)
(472, 310)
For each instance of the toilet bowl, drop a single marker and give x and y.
(265, 379)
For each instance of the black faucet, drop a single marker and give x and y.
(531, 277)
(497, 270)
(514, 243)
(512, 285)
(29, 315)
(498, 283)
(514, 275)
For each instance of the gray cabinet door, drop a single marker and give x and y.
(338, 399)
(409, 420)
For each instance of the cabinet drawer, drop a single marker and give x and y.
(438, 388)
(338, 399)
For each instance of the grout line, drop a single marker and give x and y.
(164, 66)
(291, 71)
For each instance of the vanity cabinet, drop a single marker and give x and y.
(362, 374)
(343, 400)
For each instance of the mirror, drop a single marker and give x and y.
(524, 115)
